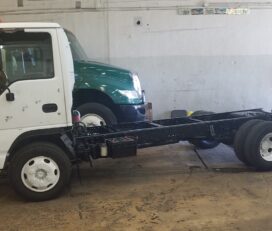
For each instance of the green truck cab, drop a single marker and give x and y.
(104, 93)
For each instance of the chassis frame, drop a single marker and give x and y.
(221, 127)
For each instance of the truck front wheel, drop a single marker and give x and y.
(93, 114)
(39, 171)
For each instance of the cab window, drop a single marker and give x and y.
(25, 56)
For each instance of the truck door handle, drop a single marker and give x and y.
(49, 108)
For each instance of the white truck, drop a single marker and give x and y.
(39, 142)
(36, 82)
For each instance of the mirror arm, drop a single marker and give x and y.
(7, 88)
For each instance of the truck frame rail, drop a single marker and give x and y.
(221, 127)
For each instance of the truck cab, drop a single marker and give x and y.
(36, 84)
(104, 93)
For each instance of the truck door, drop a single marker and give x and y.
(31, 69)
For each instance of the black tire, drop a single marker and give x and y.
(204, 143)
(240, 138)
(252, 146)
(29, 152)
(100, 110)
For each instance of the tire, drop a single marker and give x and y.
(52, 171)
(97, 112)
(204, 143)
(254, 146)
(240, 139)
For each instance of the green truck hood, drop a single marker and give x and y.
(105, 78)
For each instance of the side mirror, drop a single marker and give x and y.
(4, 83)
(10, 96)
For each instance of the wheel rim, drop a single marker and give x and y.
(40, 174)
(266, 147)
(92, 120)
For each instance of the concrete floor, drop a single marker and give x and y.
(164, 188)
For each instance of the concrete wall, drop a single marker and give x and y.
(217, 63)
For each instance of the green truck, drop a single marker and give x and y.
(104, 93)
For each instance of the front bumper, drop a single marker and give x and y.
(132, 113)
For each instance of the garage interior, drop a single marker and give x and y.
(212, 55)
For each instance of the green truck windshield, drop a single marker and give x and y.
(77, 50)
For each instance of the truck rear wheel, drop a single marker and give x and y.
(39, 171)
(93, 114)
(240, 139)
(258, 146)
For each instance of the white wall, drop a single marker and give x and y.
(217, 63)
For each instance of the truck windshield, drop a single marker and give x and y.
(77, 50)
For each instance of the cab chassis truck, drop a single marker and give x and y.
(40, 141)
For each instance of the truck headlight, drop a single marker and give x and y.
(137, 84)
(130, 94)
